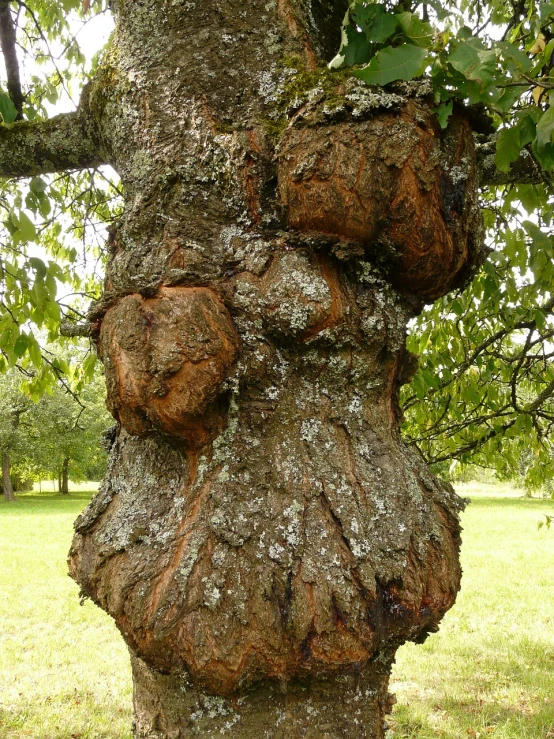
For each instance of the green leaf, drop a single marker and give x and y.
(457, 307)
(546, 11)
(545, 128)
(357, 49)
(88, 365)
(508, 148)
(401, 63)
(53, 311)
(511, 52)
(444, 111)
(20, 346)
(545, 156)
(527, 130)
(7, 108)
(473, 394)
(27, 228)
(540, 319)
(417, 31)
(440, 9)
(375, 22)
(473, 61)
(34, 351)
(381, 29)
(37, 185)
(39, 267)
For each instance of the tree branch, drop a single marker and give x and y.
(75, 329)
(8, 46)
(524, 171)
(58, 144)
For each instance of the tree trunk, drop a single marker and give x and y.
(6, 477)
(339, 706)
(64, 487)
(263, 538)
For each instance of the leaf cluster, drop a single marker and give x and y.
(484, 391)
(510, 75)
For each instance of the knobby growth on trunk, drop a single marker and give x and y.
(263, 539)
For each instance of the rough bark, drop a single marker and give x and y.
(263, 539)
(6, 478)
(339, 706)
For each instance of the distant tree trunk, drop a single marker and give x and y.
(64, 487)
(8, 487)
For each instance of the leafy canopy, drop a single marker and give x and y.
(495, 54)
(52, 228)
(484, 390)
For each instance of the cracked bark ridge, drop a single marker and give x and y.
(396, 183)
(166, 359)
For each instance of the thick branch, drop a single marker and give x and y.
(524, 171)
(58, 144)
(75, 329)
(7, 44)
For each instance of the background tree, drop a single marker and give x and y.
(59, 437)
(13, 406)
(65, 435)
(263, 533)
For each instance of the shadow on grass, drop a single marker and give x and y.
(508, 695)
(46, 503)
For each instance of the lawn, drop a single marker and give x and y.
(489, 672)
(64, 671)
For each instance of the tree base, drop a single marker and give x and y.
(353, 706)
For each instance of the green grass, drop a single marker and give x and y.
(64, 670)
(489, 672)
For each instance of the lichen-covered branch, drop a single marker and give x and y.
(58, 144)
(75, 329)
(524, 171)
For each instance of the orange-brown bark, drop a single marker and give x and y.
(166, 359)
(397, 184)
